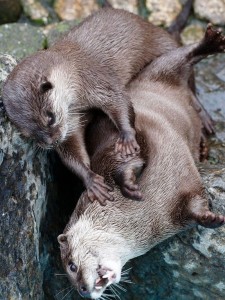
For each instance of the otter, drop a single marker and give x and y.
(99, 240)
(49, 95)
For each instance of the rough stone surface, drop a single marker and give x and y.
(23, 193)
(131, 5)
(193, 33)
(35, 11)
(75, 9)
(163, 12)
(20, 40)
(10, 11)
(213, 10)
(54, 31)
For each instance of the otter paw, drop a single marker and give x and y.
(131, 191)
(210, 220)
(127, 145)
(214, 39)
(98, 190)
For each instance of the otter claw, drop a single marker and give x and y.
(210, 220)
(127, 145)
(98, 190)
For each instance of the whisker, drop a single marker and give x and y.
(62, 291)
(128, 281)
(56, 274)
(68, 293)
(115, 292)
(126, 271)
(120, 287)
(108, 296)
(75, 113)
(124, 278)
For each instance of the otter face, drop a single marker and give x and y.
(90, 259)
(27, 97)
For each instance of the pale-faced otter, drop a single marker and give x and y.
(49, 93)
(99, 240)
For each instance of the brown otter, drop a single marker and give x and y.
(99, 240)
(49, 93)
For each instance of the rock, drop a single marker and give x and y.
(35, 11)
(163, 12)
(213, 10)
(21, 40)
(192, 33)
(23, 177)
(211, 87)
(54, 31)
(130, 5)
(10, 11)
(75, 9)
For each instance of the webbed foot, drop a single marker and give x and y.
(98, 190)
(127, 145)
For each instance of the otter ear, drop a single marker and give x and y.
(62, 239)
(45, 86)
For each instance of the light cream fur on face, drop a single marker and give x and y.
(89, 256)
(62, 96)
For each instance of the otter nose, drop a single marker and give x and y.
(83, 291)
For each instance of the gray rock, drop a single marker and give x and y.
(36, 11)
(163, 12)
(10, 11)
(23, 177)
(75, 9)
(20, 40)
(213, 10)
(193, 33)
(131, 5)
(54, 31)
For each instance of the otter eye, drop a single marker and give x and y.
(73, 267)
(51, 118)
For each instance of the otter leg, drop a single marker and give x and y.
(74, 156)
(122, 114)
(200, 213)
(174, 67)
(126, 145)
(126, 175)
(213, 42)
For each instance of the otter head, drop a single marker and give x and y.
(92, 257)
(36, 100)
